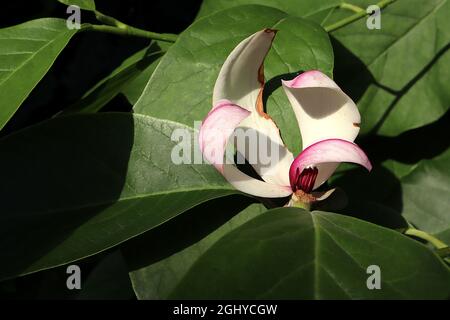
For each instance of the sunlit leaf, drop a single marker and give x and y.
(27, 51)
(293, 254)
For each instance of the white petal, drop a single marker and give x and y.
(241, 77)
(214, 134)
(241, 80)
(249, 185)
(273, 159)
(323, 111)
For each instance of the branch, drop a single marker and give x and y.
(115, 26)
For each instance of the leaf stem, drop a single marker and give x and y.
(438, 244)
(132, 32)
(358, 15)
(114, 26)
(351, 7)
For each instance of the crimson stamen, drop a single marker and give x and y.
(305, 180)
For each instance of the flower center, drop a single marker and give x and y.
(305, 180)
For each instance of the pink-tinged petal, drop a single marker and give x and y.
(241, 81)
(311, 79)
(216, 129)
(322, 109)
(214, 134)
(328, 151)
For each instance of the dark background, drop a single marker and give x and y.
(77, 68)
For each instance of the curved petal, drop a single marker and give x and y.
(214, 134)
(266, 151)
(241, 76)
(216, 129)
(328, 151)
(241, 80)
(323, 111)
(247, 184)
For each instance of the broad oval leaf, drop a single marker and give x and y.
(159, 279)
(27, 51)
(77, 185)
(311, 9)
(425, 196)
(288, 253)
(186, 74)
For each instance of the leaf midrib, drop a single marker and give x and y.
(26, 61)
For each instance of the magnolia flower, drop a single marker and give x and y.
(328, 120)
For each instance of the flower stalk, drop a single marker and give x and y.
(438, 244)
(302, 200)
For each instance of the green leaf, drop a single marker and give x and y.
(133, 89)
(187, 73)
(311, 9)
(129, 79)
(398, 89)
(83, 4)
(289, 253)
(27, 51)
(77, 185)
(425, 196)
(157, 280)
